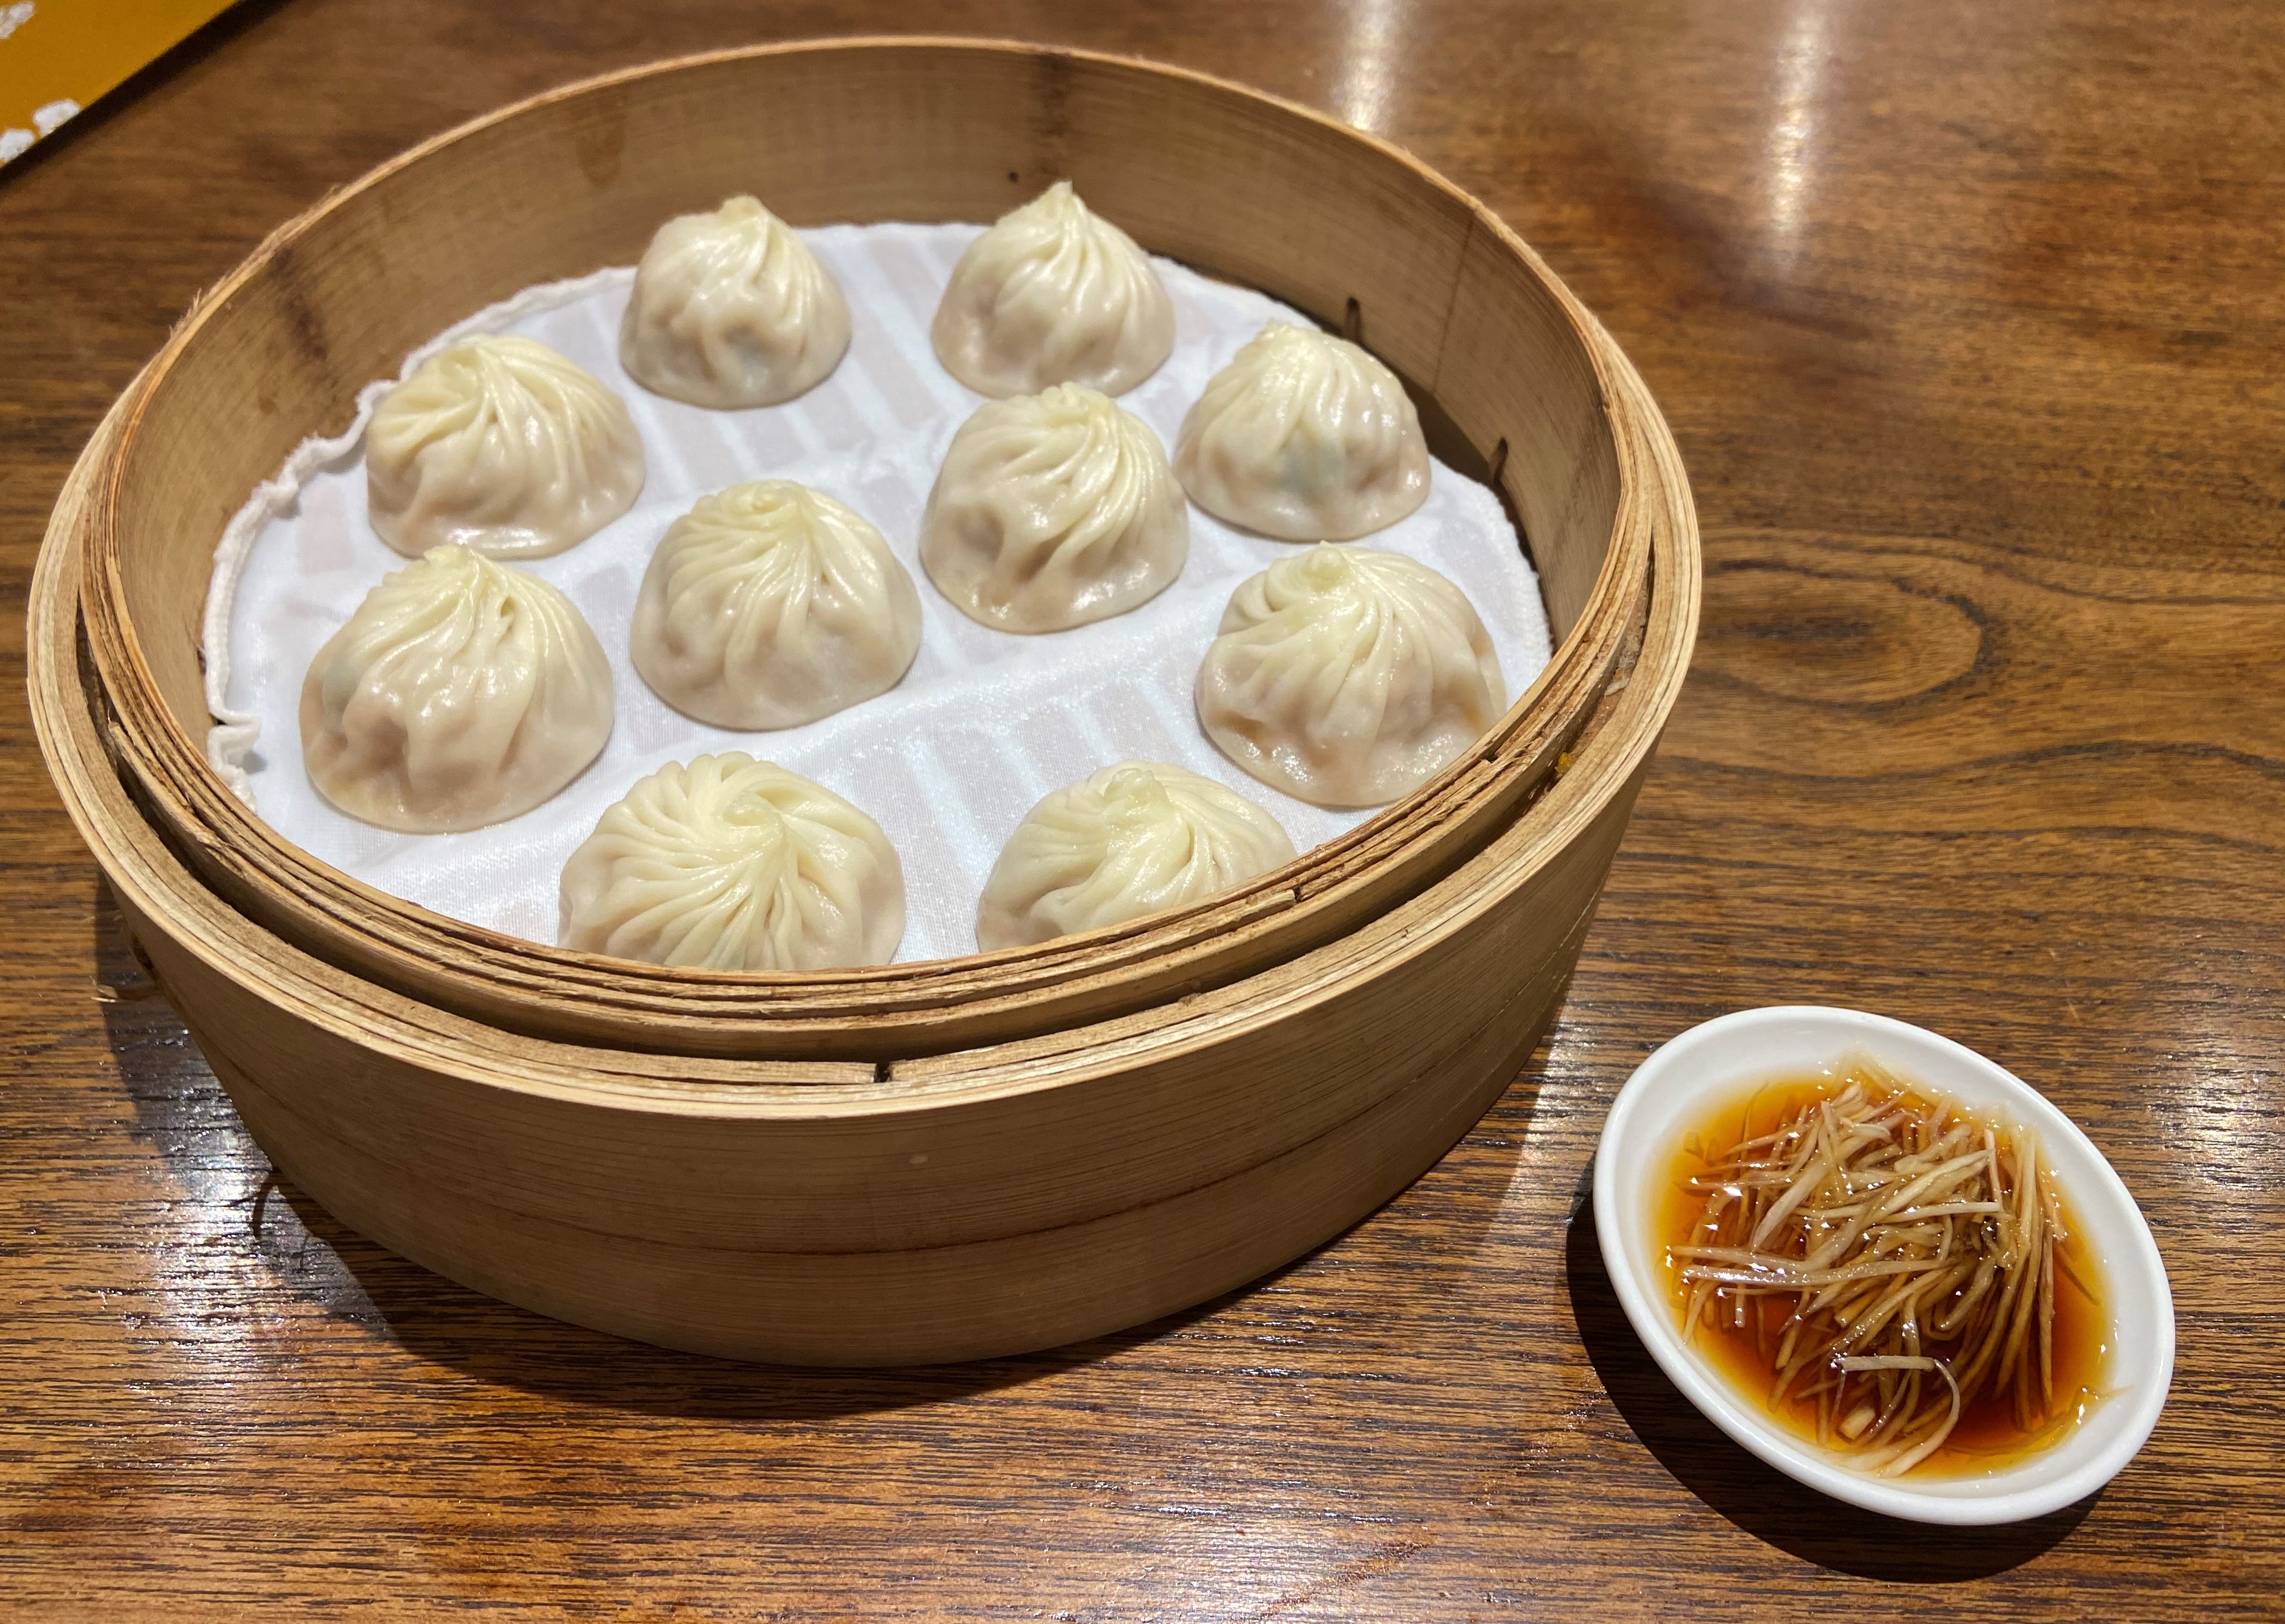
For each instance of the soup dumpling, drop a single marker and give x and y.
(1304, 437)
(731, 308)
(1053, 510)
(1132, 839)
(501, 445)
(1348, 677)
(728, 863)
(461, 692)
(1053, 294)
(769, 605)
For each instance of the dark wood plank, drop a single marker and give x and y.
(1968, 318)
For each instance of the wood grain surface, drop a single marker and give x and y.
(1967, 316)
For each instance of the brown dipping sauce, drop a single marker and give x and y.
(1990, 1432)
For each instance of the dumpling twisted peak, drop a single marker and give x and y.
(1305, 437)
(728, 863)
(769, 605)
(731, 308)
(461, 693)
(1348, 677)
(501, 445)
(1053, 294)
(1132, 839)
(1053, 510)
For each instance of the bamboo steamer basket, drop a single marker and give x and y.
(1511, 372)
(927, 1162)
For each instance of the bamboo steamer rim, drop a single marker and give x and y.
(898, 1009)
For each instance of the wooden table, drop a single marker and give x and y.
(1969, 318)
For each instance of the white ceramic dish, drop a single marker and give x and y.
(1668, 1093)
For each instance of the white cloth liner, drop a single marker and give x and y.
(983, 725)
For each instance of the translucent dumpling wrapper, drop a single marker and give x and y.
(1053, 294)
(461, 692)
(1053, 510)
(1348, 677)
(728, 863)
(1134, 839)
(731, 308)
(501, 445)
(1304, 437)
(769, 605)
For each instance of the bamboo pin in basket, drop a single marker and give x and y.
(924, 1161)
